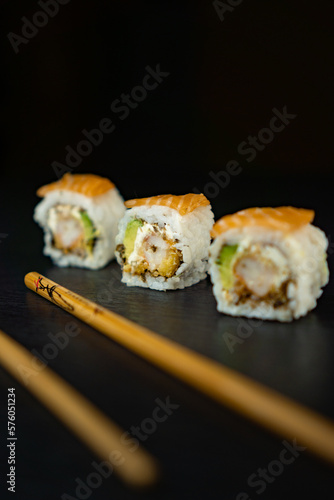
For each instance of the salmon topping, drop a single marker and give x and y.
(285, 219)
(87, 184)
(183, 204)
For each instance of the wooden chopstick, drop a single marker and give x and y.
(262, 405)
(88, 423)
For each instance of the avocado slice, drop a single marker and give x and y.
(90, 232)
(225, 263)
(130, 236)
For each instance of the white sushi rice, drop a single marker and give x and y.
(104, 211)
(193, 234)
(304, 252)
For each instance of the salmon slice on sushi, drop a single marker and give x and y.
(163, 241)
(268, 263)
(79, 214)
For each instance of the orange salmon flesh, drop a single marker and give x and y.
(87, 184)
(183, 204)
(285, 219)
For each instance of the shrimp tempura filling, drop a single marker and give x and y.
(150, 248)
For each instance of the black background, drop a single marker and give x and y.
(225, 78)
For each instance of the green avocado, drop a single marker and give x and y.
(90, 231)
(130, 236)
(225, 263)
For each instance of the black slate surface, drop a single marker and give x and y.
(230, 64)
(205, 450)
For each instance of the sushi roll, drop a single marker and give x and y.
(268, 263)
(163, 241)
(79, 214)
